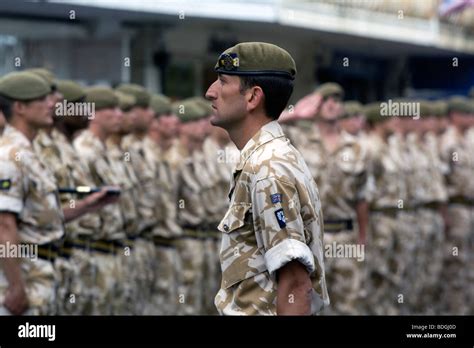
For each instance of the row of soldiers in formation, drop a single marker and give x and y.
(400, 187)
(153, 249)
(400, 182)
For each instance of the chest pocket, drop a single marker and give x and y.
(240, 256)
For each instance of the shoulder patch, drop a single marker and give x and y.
(5, 184)
(280, 216)
(276, 198)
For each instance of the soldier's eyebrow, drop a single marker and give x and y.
(221, 77)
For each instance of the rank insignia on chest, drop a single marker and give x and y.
(280, 216)
(5, 184)
(276, 198)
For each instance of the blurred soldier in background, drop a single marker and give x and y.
(149, 193)
(76, 271)
(381, 283)
(339, 166)
(163, 130)
(191, 207)
(91, 147)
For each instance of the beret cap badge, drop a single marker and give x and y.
(229, 61)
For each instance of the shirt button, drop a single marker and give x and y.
(226, 227)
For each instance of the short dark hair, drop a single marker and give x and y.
(6, 106)
(277, 91)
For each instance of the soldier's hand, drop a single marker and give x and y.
(16, 300)
(308, 107)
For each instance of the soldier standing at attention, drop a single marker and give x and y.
(272, 235)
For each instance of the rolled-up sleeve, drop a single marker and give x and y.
(279, 224)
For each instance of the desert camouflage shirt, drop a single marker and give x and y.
(29, 190)
(456, 152)
(61, 158)
(274, 217)
(93, 153)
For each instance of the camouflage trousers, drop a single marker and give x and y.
(75, 293)
(190, 291)
(211, 274)
(428, 262)
(144, 255)
(108, 290)
(343, 274)
(380, 283)
(40, 282)
(407, 243)
(167, 279)
(456, 278)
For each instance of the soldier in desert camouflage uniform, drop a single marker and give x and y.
(272, 232)
(76, 286)
(163, 129)
(429, 197)
(149, 192)
(193, 186)
(91, 147)
(381, 282)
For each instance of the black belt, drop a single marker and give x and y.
(338, 225)
(101, 245)
(48, 252)
(462, 200)
(392, 211)
(167, 242)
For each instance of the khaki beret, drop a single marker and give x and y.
(459, 104)
(125, 101)
(204, 104)
(425, 108)
(139, 92)
(440, 108)
(372, 112)
(160, 104)
(188, 110)
(256, 59)
(352, 108)
(330, 89)
(46, 75)
(23, 86)
(71, 91)
(102, 97)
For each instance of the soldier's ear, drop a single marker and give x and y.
(18, 107)
(255, 98)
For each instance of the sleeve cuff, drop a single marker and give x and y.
(11, 204)
(286, 251)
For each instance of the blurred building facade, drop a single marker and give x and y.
(375, 49)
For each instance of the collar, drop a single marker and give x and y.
(267, 133)
(12, 132)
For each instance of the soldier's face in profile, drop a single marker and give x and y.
(109, 119)
(228, 102)
(39, 112)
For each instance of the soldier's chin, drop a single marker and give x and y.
(48, 121)
(216, 121)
